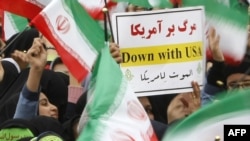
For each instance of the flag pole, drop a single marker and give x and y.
(104, 10)
(217, 138)
(12, 41)
(109, 21)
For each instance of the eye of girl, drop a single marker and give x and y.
(149, 109)
(44, 102)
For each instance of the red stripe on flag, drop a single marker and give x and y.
(78, 70)
(229, 59)
(96, 11)
(153, 137)
(176, 2)
(2, 22)
(20, 7)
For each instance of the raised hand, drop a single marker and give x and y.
(196, 95)
(21, 58)
(115, 52)
(214, 40)
(37, 55)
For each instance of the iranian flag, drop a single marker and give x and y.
(113, 112)
(75, 35)
(12, 24)
(230, 20)
(95, 10)
(208, 123)
(24, 8)
(94, 7)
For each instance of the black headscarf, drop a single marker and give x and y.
(22, 42)
(10, 97)
(160, 105)
(52, 85)
(56, 90)
(75, 117)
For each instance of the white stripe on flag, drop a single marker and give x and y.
(39, 3)
(67, 33)
(10, 26)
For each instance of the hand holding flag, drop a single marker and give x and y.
(76, 36)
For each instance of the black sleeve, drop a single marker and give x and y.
(215, 74)
(10, 74)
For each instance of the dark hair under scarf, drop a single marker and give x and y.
(243, 67)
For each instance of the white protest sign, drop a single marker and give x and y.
(162, 50)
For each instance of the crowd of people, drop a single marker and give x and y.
(39, 94)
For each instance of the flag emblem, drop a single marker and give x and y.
(63, 24)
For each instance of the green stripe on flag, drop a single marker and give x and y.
(18, 23)
(229, 104)
(235, 14)
(107, 89)
(91, 130)
(88, 27)
(149, 3)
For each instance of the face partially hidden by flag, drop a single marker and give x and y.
(233, 108)
(25, 8)
(75, 35)
(113, 112)
(230, 20)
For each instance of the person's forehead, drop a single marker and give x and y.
(237, 76)
(42, 96)
(144, 99)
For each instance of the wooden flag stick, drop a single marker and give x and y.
(109, 21)
(217, 138)
(104, 10)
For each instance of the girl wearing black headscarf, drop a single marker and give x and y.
(44, 93)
